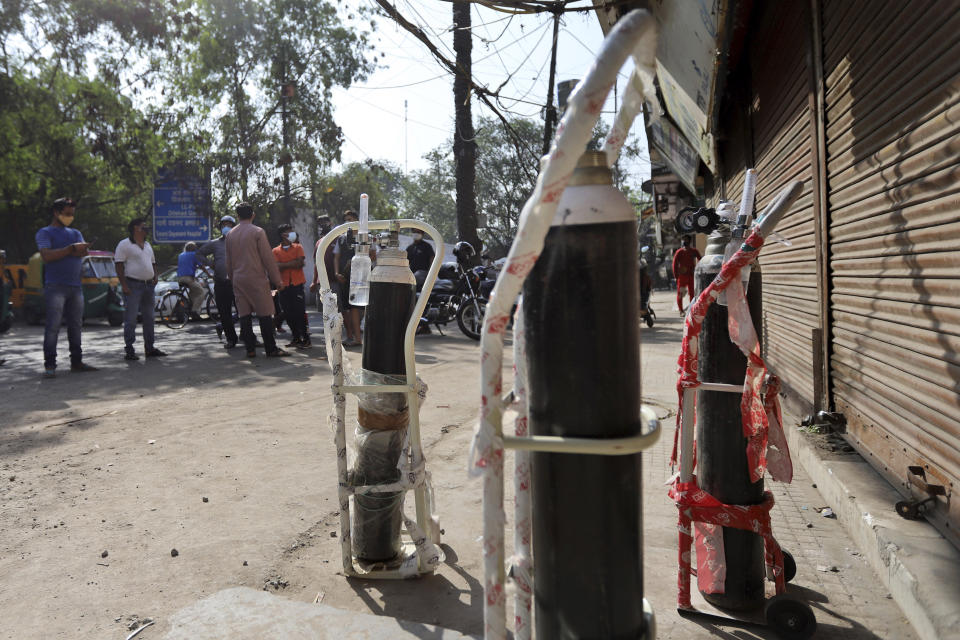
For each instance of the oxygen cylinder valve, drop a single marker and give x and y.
(696, 220)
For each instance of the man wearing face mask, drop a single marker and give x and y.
(290, 260)
(62, 249)
(420, 253)
(222, 287)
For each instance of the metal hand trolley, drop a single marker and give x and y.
(788, 617)
(420, 553)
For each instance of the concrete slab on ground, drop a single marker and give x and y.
(919, 567)
(242, 613)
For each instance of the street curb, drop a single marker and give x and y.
(916, 563)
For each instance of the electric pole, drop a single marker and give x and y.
(551, 115)
(464, 143)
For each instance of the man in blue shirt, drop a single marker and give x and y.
(62, 250)
(187, 263)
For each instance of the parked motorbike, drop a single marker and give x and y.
(646, 284)
(457, 294)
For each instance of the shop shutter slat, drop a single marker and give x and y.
(892, 91)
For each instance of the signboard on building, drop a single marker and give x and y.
(181, 206)
(688, 47)
(676, 152)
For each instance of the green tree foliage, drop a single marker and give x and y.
(381, 181)
(96, 95)
(234, 65)
(430, 195)
(504, 179)
(65, 131)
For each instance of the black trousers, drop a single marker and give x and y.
(266, 333)
(223, 293)
(294, 304)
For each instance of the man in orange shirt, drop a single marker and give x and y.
(290, 260)
(684, 263)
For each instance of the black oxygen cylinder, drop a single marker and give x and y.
(581, 318)
(378, 516)
(722, 469)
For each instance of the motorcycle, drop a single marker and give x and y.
(457, 294)
(646, 284)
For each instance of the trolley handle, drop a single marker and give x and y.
(777, 209)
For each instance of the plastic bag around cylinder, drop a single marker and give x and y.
(383, 404)
(377, 517)
(379, 441)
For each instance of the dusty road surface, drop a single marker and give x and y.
(230, 462)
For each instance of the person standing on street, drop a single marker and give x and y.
(187, 264)
(222, 287)
(684, 262)
(290, 260)
(251, 267)
(62, 250)
(420, 253)
(323, 228)
(137, 270)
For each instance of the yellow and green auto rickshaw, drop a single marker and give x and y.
(6, 290)
(102, 297)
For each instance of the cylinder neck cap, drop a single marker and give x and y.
(591, 169)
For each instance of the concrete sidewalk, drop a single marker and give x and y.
(860, 587)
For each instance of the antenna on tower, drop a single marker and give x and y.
(406, 166)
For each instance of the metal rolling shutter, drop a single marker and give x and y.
(892, 104)
(783, 130)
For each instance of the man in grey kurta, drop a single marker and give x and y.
(251, 268)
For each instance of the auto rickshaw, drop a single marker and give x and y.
(102, 297)
(6, 288)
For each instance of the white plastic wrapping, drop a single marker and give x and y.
(412, 473)
(634, 34)
(521, 563)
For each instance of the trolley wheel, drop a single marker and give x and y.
(790, 619)
(789, 566)
(908, 510)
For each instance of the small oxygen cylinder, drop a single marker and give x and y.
(583, 354)
(721, 447)
(360, 264)
(381, 432)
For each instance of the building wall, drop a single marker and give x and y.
(861, 102)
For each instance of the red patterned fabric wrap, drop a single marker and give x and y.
(762, 424)
(696, 505)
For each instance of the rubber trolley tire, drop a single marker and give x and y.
(789, 566)
(789, 618)
(467, 318)
(908, 510)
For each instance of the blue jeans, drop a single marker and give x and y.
(139, 300)
(63, 302)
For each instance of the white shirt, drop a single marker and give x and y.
(137, 262)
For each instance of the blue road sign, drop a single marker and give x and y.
(181, 208)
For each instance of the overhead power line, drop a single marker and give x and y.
(482, 93)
